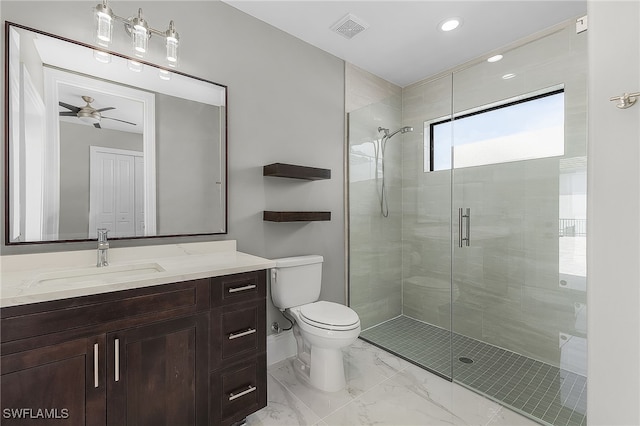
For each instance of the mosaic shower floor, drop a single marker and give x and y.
(549, 394)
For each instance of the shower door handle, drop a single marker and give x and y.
(466, 240)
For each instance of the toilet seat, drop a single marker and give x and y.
(329, 316)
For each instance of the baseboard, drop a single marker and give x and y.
(280, 346)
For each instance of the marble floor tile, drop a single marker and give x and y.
(381, 390)
(466, 407)
(283, 409)
(321, 403)
(365, 362)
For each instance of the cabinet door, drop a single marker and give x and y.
(57, 384)
(157, 374)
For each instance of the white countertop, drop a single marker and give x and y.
(41, 277)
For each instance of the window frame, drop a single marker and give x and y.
(482, 111)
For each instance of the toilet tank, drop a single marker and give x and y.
(296, 281)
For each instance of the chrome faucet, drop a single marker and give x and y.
(103, 247)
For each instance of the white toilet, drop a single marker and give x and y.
(321, 328)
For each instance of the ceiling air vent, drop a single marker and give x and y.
(349, 26)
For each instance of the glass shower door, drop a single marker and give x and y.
(518, 207)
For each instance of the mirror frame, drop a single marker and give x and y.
(7, 177)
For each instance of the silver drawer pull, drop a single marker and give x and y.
(96, 364)
(233, 396)
(116, 366)
(244, 288)
(241, 333)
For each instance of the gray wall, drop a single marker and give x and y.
(285, 104)
(614, 215)
(75, 140)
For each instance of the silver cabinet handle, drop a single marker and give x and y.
(233, 396)
(461, 217)
(241, 333)
(95, 366)
(116, 363)
(244, 288)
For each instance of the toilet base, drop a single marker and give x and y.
(327, 369)
(321, 368)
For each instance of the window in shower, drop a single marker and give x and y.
(525, 128)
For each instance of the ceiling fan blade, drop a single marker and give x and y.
(105, 109)
(70, 107)
(97, 125)
(115, 119)
(68, 114)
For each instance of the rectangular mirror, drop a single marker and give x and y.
(95, 140)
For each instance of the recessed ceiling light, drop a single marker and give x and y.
(508, 76)
(449, 24)
(495, 58)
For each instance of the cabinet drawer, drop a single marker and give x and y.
(238, 391)
(237, 331)
(96, 313)
(237, 288)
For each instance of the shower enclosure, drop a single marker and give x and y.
(478, 273)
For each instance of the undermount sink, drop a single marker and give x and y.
(95, 275)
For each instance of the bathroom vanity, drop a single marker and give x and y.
(179, 343)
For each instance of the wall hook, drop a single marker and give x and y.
(626, 100)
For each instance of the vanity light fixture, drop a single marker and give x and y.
(495, 58)
(139, 30)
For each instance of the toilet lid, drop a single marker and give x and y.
(329, 315)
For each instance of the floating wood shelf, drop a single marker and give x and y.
(272, 216)
(296, 172)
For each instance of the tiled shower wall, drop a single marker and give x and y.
(519, 286)
(375, 255)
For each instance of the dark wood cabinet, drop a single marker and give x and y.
(55, 384)
(238, 380)
(157, 374)
(148, 356)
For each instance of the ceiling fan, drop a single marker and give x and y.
(87, 113)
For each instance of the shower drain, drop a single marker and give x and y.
(465, 360)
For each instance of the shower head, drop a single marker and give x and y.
(404, 129)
